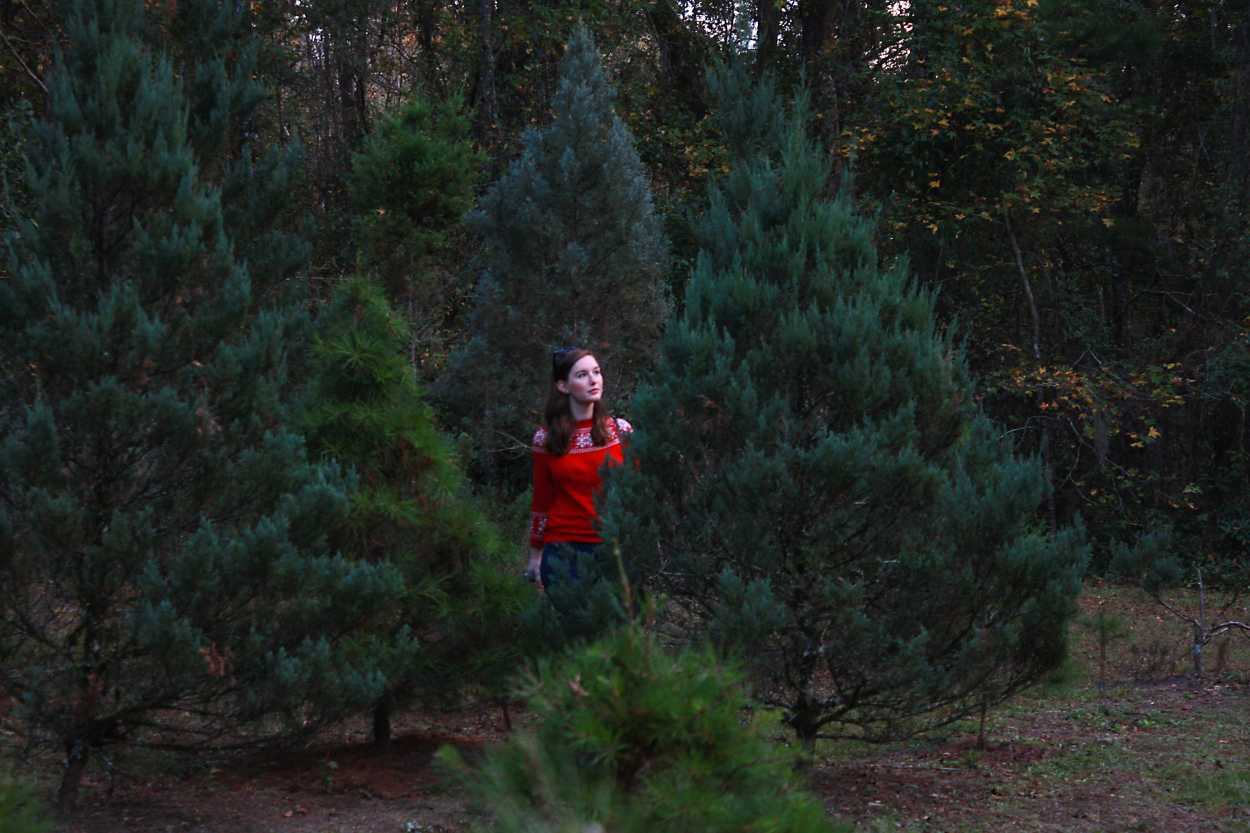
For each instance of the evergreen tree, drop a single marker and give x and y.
(413, 509)
(813, 478)
(573, 253)
(163, 544)
(15, 123)
(217, 59)
(411, 183)
(631, 739)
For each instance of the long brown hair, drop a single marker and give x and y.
(558, 415)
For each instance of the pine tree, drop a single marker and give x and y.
(813, 478)
(411, 184)
(572, 253)
(217, 60)
(630, 739)
(163, 544)
(413, 509)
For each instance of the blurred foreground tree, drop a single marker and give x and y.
(163, 545)
(631, 739)
(814, 481)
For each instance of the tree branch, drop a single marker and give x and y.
(1224, 627)
(1028, 287)
(1158, 597)
(32, 75)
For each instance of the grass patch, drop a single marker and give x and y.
(887, 824)
(1217, 788)
(1109, 719)
(1084, 763)
(20, 808)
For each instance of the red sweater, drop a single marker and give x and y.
(563, 507)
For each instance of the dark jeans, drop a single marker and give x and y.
(566, 561)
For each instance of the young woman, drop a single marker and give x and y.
(577, 440)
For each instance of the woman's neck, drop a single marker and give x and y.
(581, 411)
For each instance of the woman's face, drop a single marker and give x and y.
(584, 384)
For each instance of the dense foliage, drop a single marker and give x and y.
(162, 532)
(1113, 131)
(630, 738)
(451, 628)
(814, 480)
(185, 190)
(411, 182)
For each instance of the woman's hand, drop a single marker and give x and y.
(533, 570)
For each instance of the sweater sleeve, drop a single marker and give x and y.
(540, 502)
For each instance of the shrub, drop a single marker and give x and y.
(630, 738)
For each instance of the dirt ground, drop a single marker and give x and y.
(342, 784)
(1115, 765)
(1153, 752)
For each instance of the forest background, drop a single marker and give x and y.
(1072, 179)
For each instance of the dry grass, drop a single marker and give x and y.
(1149, 750)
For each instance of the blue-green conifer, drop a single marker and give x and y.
(813, 480)
(163, 552)
(572, 253)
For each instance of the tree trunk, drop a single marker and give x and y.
(349, 54)
(682, 61)
(805, 727)
(816, 27)
(1027, 286)
(805, 716)
(486, 124)
(1200, 629)
(1047, 443)
(769, 17)
(425, 28)
(350, 93)
(382, 721)
(77, 751)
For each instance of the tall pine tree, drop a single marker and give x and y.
(413, 510)
(411, 184)
(162, 533)
(813, 478)
(572, 253)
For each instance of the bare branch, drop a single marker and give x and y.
(1028, 287)
(33, 77)
(1158, 597)
(1224, 627)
